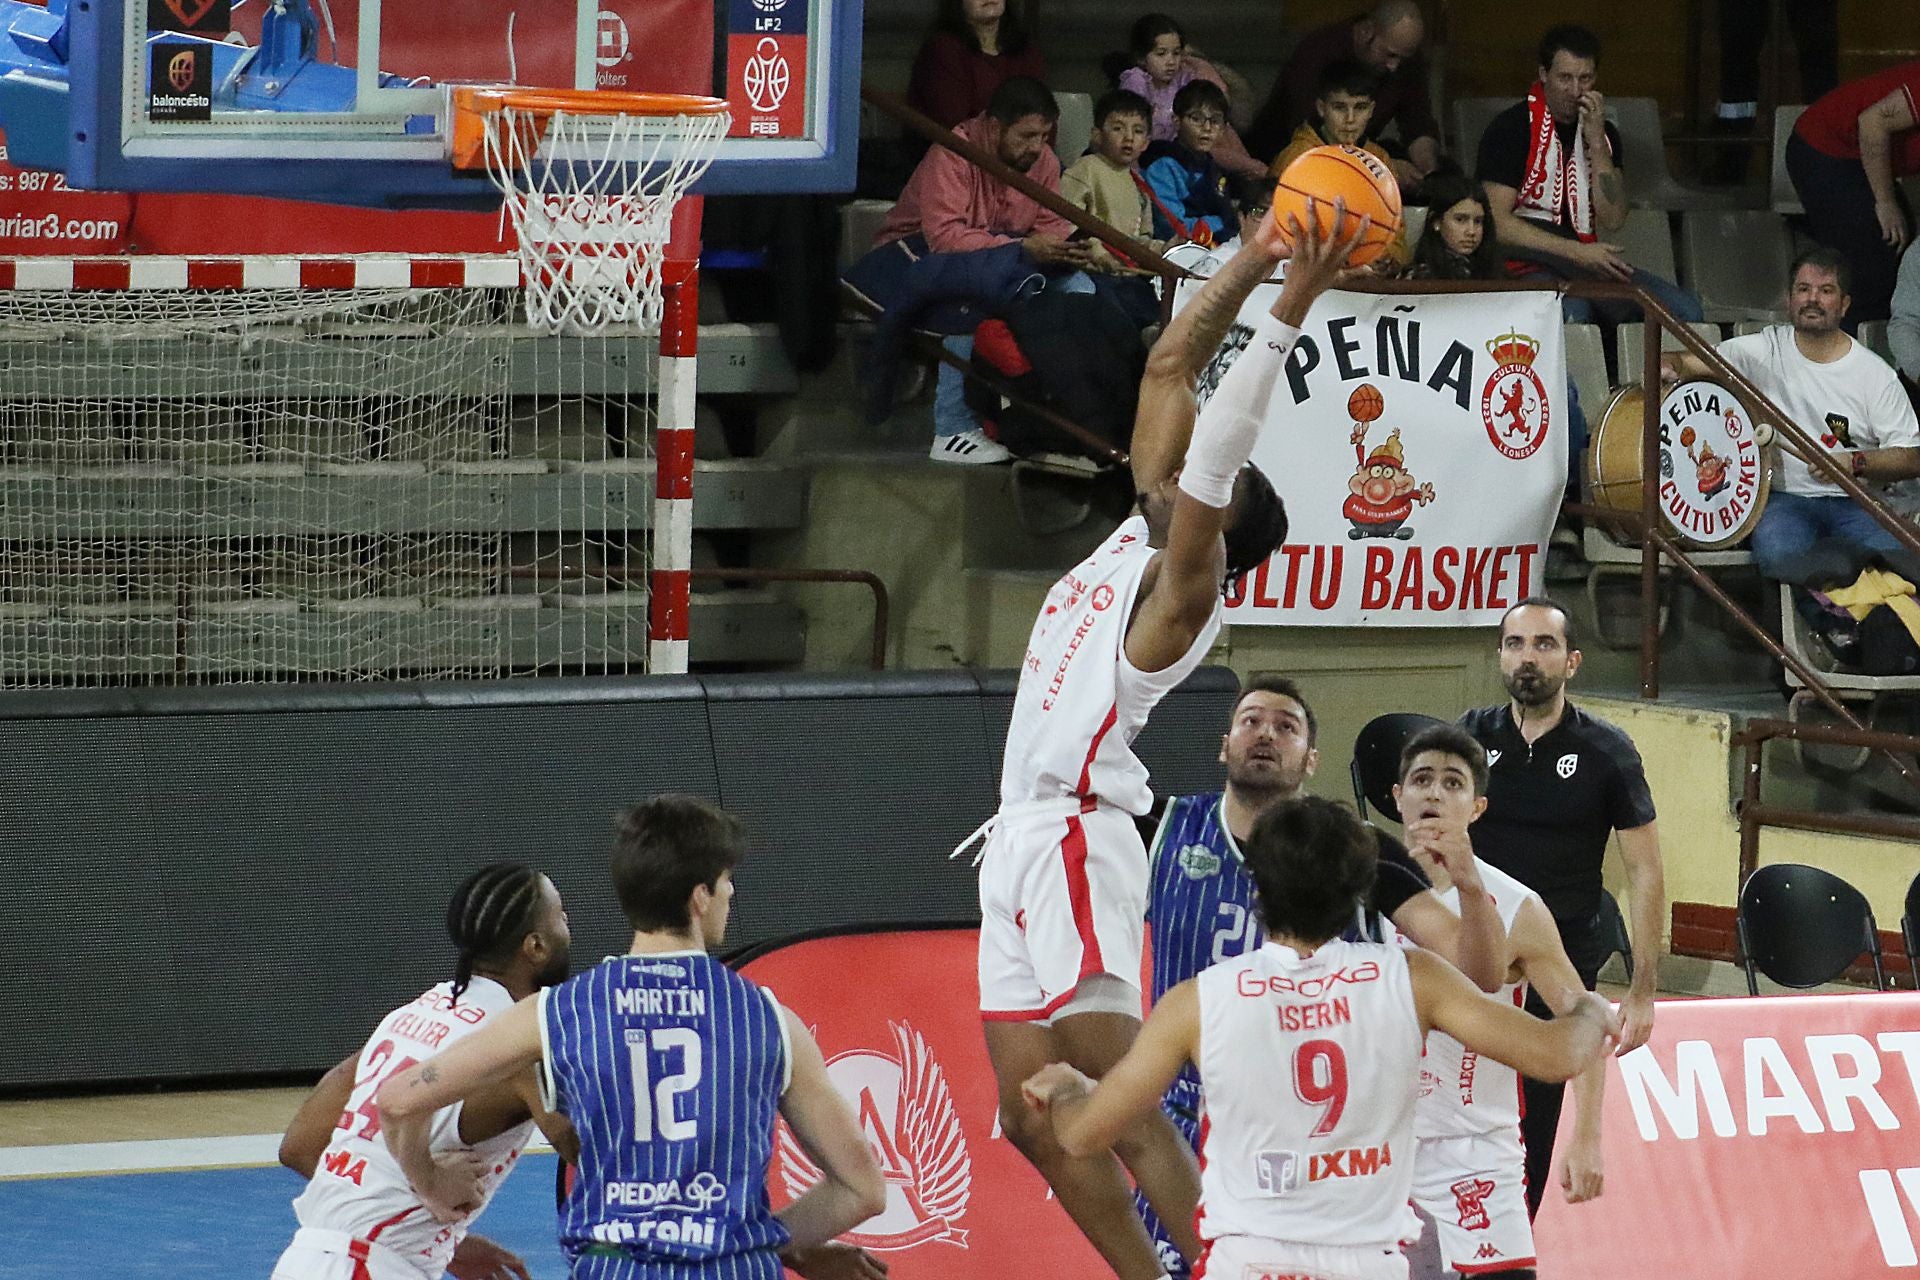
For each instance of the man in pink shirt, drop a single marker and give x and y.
(967, 243)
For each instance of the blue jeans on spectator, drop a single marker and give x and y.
(1684, 305)
(1794, 522)
(950, 413)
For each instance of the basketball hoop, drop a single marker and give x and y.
(590, 179)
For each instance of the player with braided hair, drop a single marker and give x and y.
(360, 1219)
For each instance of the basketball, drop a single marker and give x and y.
(1329, 173)
(1365, 404)
(1686, 437)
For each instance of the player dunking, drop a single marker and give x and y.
(1063, 875)
(672, 1067)
(1309, 1053)
(359, 1217)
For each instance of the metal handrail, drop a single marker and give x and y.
(1754, 814)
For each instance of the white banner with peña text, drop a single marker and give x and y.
(1420, 444)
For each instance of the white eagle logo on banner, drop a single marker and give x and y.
(907, 1113)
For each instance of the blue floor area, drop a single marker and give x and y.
(215, 1224)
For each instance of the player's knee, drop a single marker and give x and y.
(1030, 1134)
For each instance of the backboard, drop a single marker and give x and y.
(346, 100)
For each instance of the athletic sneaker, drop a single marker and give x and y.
(973, 447)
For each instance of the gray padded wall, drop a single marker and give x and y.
(236, 882)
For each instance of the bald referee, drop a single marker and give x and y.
(1560, 784)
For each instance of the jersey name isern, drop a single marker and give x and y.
(1309, 1067)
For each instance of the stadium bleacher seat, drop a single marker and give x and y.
(1785, 199)
(1736, 261)
(1469, 120)
(1647, 238)
(1650, 184)
(1874, 334)
(1075, 130)
(1587, 367)
(1628, 338)
(1416, 220)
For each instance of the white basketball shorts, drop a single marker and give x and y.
(1474, 1187)
(335, 1255)
(1063, 897)
(1252, 1258)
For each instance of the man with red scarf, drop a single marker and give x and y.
(1552, 170)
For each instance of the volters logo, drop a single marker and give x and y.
(906, 1112)
(613, 43)
(1513, 404)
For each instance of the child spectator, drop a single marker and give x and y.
(1184, 183)
(1103, 182)
(1161, 67)
(1455, 244)
(1343, 109)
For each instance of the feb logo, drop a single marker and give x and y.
(767, 76)
(1712, 468)
(906, 1112)
(1514, 404)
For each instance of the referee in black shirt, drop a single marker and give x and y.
(1561, 782)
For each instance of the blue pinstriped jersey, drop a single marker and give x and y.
(671, 1068)
(1200, 911)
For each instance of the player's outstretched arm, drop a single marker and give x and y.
(313, 1124)
(1163, 419)
(1550, 1051)
(1088, 1119)
(851, 1190)
(508, 1044)
(1185, 587)
(1543, 959)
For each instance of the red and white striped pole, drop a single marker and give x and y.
(668, 579)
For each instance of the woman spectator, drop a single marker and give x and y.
(1455, 244)
(975, 47)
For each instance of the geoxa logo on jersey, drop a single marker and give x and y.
(906, 1112)
(1312, 988)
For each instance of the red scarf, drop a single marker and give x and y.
(1558, 187)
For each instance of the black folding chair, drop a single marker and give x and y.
(1802, 926)
(1613, 932)
(1376, 759)
(1910, 930)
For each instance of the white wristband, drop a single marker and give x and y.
(1223, 438)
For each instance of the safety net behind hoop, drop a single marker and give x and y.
(288, 485)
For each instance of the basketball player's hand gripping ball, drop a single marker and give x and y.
(1333, 177)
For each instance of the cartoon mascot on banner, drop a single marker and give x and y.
(1381, 491)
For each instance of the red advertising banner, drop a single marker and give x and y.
(1755, 1138)
(41, 216)
(897, 1017)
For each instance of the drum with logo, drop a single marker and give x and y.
(1714, 474)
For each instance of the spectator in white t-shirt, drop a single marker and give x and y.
(1851, 402)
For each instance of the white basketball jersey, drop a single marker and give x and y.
(1308, 1068)
(358, 1187)
(1080, 703)
(1462, 1092)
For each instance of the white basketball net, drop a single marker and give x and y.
(592, 205)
